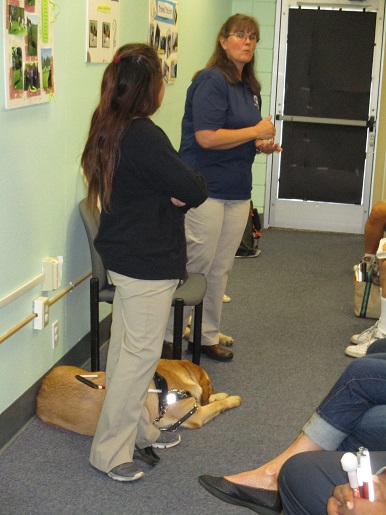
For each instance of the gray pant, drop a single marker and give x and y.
(140, 313)
(213, 233)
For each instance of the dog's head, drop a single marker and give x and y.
(185, 375)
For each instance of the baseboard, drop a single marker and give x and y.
(22, 411)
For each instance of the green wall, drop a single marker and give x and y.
(265, 12)
(40, 182)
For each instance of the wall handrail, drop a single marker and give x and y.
(19, 291)
(52, 301)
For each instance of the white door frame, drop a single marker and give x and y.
(300, 217)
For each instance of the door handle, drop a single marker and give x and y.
(370, 124)
(326, 121)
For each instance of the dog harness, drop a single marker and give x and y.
(167, 397)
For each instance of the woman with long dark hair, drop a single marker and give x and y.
(144, 189)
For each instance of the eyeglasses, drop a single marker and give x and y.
(241, 36)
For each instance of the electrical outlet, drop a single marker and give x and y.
(55, 334)
(41, 308)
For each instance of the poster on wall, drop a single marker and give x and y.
(102, 30)
(28, 52)
(163, 35)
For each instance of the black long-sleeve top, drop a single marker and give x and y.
(142, 234)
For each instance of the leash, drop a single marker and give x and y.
(177, 424)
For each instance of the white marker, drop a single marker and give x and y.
(349, 463)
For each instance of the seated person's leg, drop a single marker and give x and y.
(370, 431)
(307, 480)
(361, 387)
(374, 231)
(375, 227)
(377, 347)
(348, 410)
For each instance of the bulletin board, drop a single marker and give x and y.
(28, 52)
(102, 30)
(164, 35)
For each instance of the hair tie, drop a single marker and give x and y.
(117, 60)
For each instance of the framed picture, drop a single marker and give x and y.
(28, 52)
(163, 35)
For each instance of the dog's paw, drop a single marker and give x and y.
(234, 400)
(226, 340)
(217, 397)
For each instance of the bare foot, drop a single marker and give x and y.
(266, 475)
(263, 477)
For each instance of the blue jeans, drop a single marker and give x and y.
(354, 412)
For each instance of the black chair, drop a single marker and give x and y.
(190, 293)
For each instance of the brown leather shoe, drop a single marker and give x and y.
(214, 352)
(167, 350)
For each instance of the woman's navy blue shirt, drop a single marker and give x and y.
(213, 103)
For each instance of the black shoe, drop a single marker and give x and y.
(214, 352)
(265, 502)
(146, 455)
(248, 253)
(167, 350)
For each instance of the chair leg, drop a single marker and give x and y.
(94, 323)
(197, 331)
(177, 328)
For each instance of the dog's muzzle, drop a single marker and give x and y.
(167, 397)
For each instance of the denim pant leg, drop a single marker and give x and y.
(307, 480)
(361, 387)
(370, 432)
(379, 346)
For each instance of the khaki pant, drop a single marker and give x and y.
(140, 314)
(213, 232)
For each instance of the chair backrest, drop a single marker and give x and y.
(91, 224)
